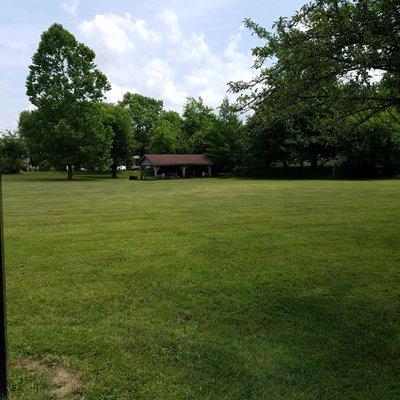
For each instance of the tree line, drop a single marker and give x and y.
(326, 90)
(72, 125)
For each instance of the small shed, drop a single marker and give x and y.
(176, 165)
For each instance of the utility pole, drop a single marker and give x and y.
(3, 338)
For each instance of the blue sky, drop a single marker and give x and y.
(165, 49)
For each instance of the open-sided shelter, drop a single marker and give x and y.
(176, 165)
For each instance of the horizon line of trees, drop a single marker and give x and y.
(134, 126)
(314, 100)
(327, 88)
(72, 125)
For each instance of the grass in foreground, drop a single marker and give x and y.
(202, 289)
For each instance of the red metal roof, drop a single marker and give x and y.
(177, 159)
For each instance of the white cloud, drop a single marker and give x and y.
(71, 6)
(170, 20)
(116, 93)
(233, 44)
(174, 95)
(211, 95)
(158, 71)
(160, 59)
(140, 27)
(109, 30)
(197, 8)
(118, 33)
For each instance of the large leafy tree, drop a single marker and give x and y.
(268, 140)
(118, 120)
(13, 153)
(77, 136)
(374, 143)
(145, 112)
(312, 139)
(199, 123)
(329, 50)
(295, 137)
(66, 87)
(322, 75)
(166, 136)
(225, 143)
(31, 127)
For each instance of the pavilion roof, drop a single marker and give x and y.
(159, 160)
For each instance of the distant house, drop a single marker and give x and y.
(170, 166)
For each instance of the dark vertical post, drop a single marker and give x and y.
(3, 345)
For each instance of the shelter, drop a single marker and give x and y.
(167, 166)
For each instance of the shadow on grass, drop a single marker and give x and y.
(288, 346)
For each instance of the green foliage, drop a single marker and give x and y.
(313, 99)
(376, 142)
(199, 122)
(219, 136)
(225, 144)
(63, 72)
(145, 112)
(327, 51)
(118, 120)
(30, 128)
(310, 138)
(314, 89)
(65, 86)
(166, 135)
(75, 135)
(268, 141)
(292, 138)
(13, 153)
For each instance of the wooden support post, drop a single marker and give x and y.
(3, 341)
(209, 171)
(183, 171)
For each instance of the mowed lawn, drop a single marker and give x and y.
(202, 289)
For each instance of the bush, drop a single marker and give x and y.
(13, 154)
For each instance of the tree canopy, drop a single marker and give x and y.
(323, 74)
(123, 145)
(198, 124)
(166, 136)
(326, 89)
(13, 153)
(66, 87)
(63, 72)
(145, 112)
(330, 50)
(225, 141)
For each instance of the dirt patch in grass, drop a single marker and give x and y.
(65, 383)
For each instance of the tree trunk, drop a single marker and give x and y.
(114, 171)
(69, 176)
(314, 166)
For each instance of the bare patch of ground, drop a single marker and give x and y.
(65, 383)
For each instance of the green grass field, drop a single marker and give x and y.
(202, 289)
